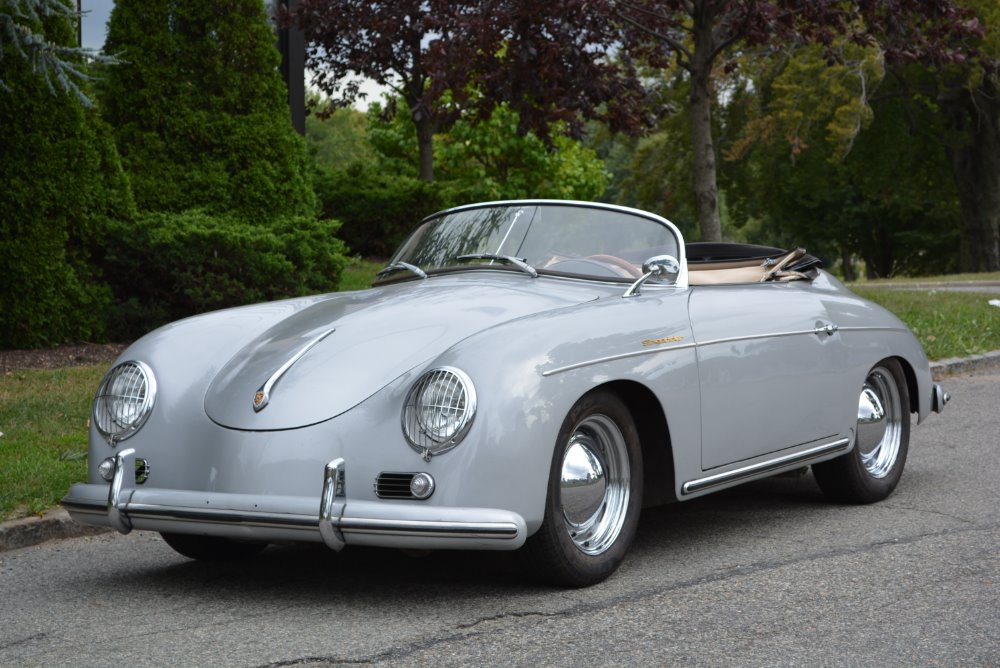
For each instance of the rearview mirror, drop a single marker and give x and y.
(663, 267)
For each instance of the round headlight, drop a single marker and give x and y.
(124, 400)
(439, 411)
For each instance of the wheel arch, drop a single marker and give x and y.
(654, 439)
(912, 386)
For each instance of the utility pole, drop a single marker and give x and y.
(292, 45)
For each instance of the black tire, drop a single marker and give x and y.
(872, 469)
(585, 536)
(211, 548)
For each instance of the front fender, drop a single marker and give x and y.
(530, 372)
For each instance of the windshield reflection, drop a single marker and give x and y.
(588, 241)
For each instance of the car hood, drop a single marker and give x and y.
(356, 343)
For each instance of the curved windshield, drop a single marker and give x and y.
(576, 240)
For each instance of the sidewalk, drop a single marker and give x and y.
(57, 524)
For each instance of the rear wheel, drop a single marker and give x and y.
(211, 548)
(594, 494)
(871, 471)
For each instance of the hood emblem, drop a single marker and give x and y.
(263, 395)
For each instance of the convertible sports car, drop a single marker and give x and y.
(523, 374)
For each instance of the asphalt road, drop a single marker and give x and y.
(768, 574)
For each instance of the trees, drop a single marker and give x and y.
(546, 62)
(968, 96)
(222, 181)
(200, 111)
(889, 202)
(380, 199)
(57, 63)
(697, 35)
(61, 183)
(973, 114)
(396, 44)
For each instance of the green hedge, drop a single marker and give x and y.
(378, 210)
(200, 110)
(171, 265)
(59, 180)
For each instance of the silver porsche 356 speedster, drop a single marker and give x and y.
(523, 375)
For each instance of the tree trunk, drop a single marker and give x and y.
(425, 140)
(706, 188)
(976, 170)
(847, 265)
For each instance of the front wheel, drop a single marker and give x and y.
(211, 548)
(594, 494)
(871, 471)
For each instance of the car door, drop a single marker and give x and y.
(766, 352)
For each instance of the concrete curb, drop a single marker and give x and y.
(53, 524)
(951, 366)
(57, 524)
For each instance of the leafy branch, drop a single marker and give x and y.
(57, 64)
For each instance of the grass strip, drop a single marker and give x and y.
(948, 324)
(43, 450)
(359, 274)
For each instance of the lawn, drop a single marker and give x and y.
(43, 417)
(43, 413)
(948, 324)
(359, 274)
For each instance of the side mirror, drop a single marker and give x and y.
(665, 267)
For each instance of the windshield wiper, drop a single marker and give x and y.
(401, 266)
(507, 259)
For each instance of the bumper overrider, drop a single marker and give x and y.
(939, 398)
(331, 519)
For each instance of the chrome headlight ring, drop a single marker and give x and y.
(438, 411)
(124, 400)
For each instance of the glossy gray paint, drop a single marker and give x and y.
(745, 375)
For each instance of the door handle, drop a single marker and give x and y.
(827, 329)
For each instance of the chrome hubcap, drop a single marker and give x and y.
(594, 484)
(879, 423)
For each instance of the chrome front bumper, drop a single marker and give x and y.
(332, 519)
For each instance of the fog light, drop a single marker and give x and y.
(422, 486)
(107, 468)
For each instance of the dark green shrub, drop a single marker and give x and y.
(60, 179)
(200, 111)
(171, 265)
(378, 210)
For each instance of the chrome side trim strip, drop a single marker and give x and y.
(263, 394)
(751, 337)
(684, 346)
(827, 329)
(620, 356)
(872, 329)
(797, 458)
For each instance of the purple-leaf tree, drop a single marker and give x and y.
(549, 62)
